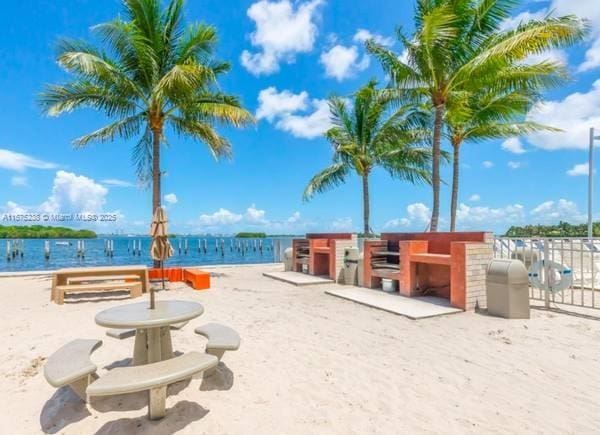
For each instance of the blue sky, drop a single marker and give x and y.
(287, 57)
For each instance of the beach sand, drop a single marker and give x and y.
(312, 363)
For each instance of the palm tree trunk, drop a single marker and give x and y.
(156, 175)
(435, 166)
(366, 205)
(455, 177)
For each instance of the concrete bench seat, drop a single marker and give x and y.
(122, 334)
(221, 338)
(134, 288)
(443, 259)
(153, 377)
(71, 365)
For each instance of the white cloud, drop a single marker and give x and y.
(513, 22)
(395, 223)
(117, 183)
(308, 126)
(515, 165)
(483, 217)
(363, 35)
(343, 62)
(170, 198)
(294, 218)
(418, 215)
(283, 29)
(585, 9)
(12, 207)
(513, 145)
(580, 169)
(487, 164)
(286, 110)
(404, 57)
(255, 216)
(220, 217)
(18, 181)
(474, 198)
(419, 212)
(550, 212)
(592, 57)
(553, 55)
(574, 114)
(20, 162)
(273, 104)
(73, 193)
(343, 224)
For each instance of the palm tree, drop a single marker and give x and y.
(457, 48)
(485, 115)
(368, 134)
(153, 73)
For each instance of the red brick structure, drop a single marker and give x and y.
(323, 253)
(449, 265)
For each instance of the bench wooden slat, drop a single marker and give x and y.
(70, 288)
(103, 278)
(134, 288)
(71, 362)
(123, 380)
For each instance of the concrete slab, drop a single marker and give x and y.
(413, 308)
(297, 278)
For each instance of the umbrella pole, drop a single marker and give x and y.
(162, 272)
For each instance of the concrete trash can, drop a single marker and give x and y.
(351, 257)
(287, 259)
(507, 287)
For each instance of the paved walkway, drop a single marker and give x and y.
(297, 278)
(413, 308)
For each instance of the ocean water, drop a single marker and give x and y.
(63, 253)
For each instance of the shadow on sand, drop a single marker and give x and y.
(62, 409)
(178, 417)
(220, 380)
(65, 407)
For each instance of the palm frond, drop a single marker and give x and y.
(328, 178)
(125, 128)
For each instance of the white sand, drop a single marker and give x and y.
(312, 363)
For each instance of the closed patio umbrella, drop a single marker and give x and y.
(160, 249)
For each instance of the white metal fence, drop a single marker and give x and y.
(581, 255)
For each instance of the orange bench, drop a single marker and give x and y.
(198, 279)
(172, 274)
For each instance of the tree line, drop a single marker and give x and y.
(562, 229)
(43, 232)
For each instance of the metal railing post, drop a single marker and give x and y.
(546, 274)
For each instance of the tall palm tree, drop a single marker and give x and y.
(152, 73)
(485, 115)
(457, 47)
(372, 132)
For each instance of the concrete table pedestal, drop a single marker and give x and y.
(153, 334)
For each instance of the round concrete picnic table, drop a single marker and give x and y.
(152, 327)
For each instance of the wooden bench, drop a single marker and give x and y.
(71, 365)
(134, 288)
(198, 279)
(121, 334)
(63, 276)
(221, 338)
(153, 378)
